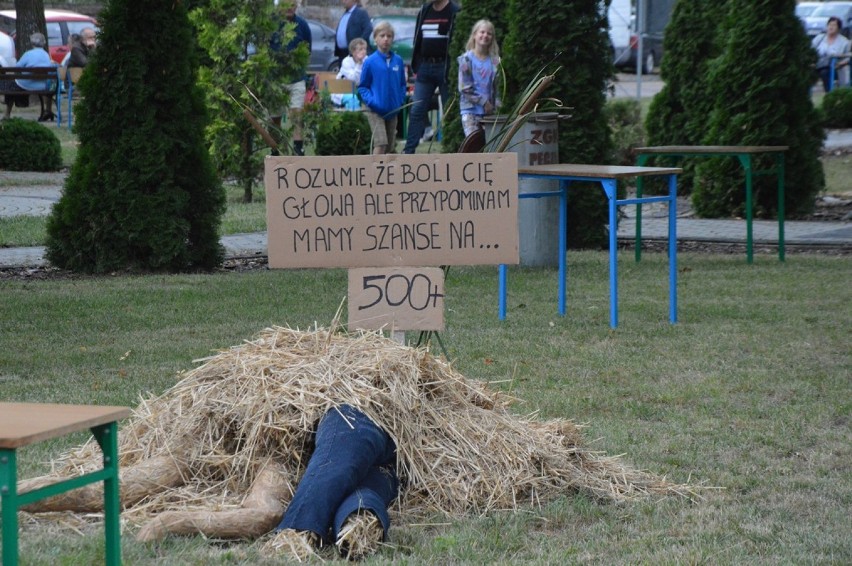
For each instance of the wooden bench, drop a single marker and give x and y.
(48, 74)
(744, 154)
(23, 424)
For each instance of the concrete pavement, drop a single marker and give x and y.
(33, 194)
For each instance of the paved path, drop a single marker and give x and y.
(43, 189)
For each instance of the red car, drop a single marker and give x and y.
(60, 25)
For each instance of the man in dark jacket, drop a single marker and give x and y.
(430, 62)
(355, 22)
(294, 79)
(81, 51)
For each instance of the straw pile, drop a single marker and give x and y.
(222, 451)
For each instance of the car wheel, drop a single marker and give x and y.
(649, 63)
(334, 67)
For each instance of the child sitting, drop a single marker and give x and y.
(350, 69)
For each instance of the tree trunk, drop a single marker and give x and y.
(29, 19)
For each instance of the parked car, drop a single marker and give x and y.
(60, 25)
(652, 49)
(805, 9)
(655, 17)
(403, 36)
(620, 21)
(322, 48)
(816, 21)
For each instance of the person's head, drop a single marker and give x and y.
(287, 8)
(383, 35)
(87, 36)
(347, 4)
(482, 36)
(37, 39)
(833, 25)
(358, 49)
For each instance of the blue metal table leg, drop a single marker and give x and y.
(609, 186)
(673, 249)
(563, 243)
(502, 278)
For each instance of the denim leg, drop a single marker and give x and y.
(428, 79)
(376, 492)
(347, 449)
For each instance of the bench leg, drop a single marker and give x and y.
(779, 170)
(745, 161)
(9, 502)
(107, 437)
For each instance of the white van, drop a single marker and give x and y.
(620, 30)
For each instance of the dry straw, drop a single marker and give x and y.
(221, 452)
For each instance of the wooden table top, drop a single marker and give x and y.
(22, 424)
(711, 149)
(595, 171)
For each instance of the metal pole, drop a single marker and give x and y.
(641, 9)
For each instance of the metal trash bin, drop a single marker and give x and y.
(537, 143)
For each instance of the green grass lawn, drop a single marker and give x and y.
(749, 395)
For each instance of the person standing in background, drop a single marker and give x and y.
(355, 22)
(82, 50)
(382, 89)
(478, 77)
(430, 62)
(295, 81)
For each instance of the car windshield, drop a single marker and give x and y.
(828, 10)
(803, 11)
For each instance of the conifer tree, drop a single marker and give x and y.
(573, 35)
(761, 85)
(679, 112)
(142, 193)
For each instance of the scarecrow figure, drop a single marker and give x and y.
(321, 424)
(351, 473)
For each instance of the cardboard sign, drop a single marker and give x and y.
(409, 298)
(392, 210)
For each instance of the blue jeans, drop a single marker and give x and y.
(353, 467)
(429, 77)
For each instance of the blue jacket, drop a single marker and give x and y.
(35, 57)
(382, 86)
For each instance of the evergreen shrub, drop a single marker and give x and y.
(624, 116)
(761, 93)
(142, 193)
(837, 108)
(571, 38)
(28, 146)
(344, 133)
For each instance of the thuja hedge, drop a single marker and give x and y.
(28, 146)
(142, 193)
(739, 72)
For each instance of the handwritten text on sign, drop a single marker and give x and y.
(398, 298)
(392, 210)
